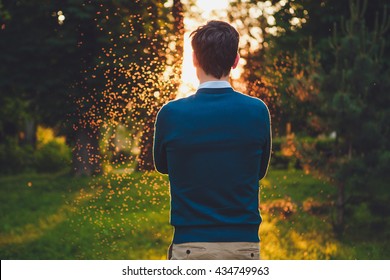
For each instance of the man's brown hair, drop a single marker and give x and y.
(215, 45)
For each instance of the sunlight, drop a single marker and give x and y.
(208, 5)
(209, 10)
(189, 80)
(217, 10)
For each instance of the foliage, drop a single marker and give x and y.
(52, 157)
(15, 158)
(51, 154)
(280, 161)
(285, 71)
(351, 101)
(323, 66)
(104, 63)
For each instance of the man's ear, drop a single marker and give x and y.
(194, 60)
(236, 60)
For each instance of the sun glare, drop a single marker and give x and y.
(208, 6)
(208, 10)
(189, 80)
(217, 10)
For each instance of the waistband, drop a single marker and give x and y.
(223, 233)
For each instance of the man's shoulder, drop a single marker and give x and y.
(171, 107)
(254, 101)
(175, 104)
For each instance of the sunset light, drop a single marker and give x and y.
(208, 10)
(217, 10)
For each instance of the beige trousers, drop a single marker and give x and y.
(215, 251)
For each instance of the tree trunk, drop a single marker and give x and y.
(29, 135)
(86, 159)
(177, 12)
(340, 210)
(145, 159)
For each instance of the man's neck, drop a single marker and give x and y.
(213, 79)
(203, 77)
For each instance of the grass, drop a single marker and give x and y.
(125, 216)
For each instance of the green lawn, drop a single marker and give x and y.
(121, 216)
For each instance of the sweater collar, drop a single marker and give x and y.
(215, 90)
(215, 84)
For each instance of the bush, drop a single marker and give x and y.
(15, 158)
(325, 145)
(279, 161)
(52, 156)
(314, 152)
(282, 207)
(277, 143)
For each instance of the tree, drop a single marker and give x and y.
(172, 58)
(352, 98)
(322, 87)
(132, 65)
(90, 63)
(292, 44)
(31, 62)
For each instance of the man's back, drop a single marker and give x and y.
(215, 146)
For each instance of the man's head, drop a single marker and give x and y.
(215, 48)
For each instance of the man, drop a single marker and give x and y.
(215, 145)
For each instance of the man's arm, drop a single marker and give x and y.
(266, 156)
(159, 150)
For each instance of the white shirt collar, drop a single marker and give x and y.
(215, 84)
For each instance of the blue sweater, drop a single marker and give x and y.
(215, 145)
